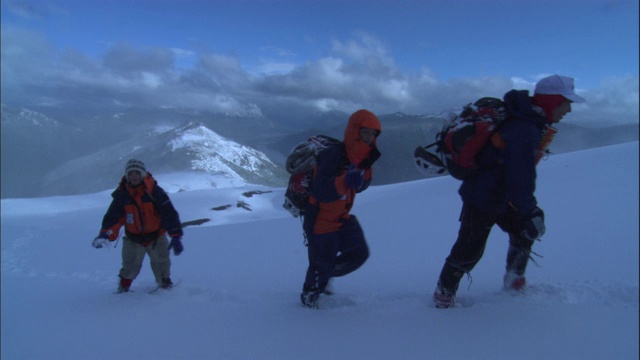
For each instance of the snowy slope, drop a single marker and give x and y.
(241, 273)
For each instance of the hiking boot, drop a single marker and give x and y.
(443, 298)
(124, 285)
(309, 299)
(166, 283)
(513, 281)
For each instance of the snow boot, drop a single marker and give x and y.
(124, 285)
(448, 283)
(518, 258)
(513, 281)
(310, 299)
(443, 298)
(166, 284)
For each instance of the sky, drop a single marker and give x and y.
(249, 56)
(239, 278)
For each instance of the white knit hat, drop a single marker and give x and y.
(558, 85)
(135, 165)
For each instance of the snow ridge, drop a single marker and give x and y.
(216, 154)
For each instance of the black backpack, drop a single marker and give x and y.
(459, 142)
(300, 164)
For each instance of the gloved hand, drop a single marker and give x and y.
(100, 241)
(354, 178)
(534, 227)
(176, 244)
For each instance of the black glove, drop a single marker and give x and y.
(534, 228)
(176, 244)
(374, 155)
(355, 178)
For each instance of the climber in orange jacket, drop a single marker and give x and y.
(336, 243)
(148, 215)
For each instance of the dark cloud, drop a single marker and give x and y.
(225, 71)
(124, 59)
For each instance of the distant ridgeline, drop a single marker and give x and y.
(250, 150)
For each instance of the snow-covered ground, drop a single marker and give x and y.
(239, 278)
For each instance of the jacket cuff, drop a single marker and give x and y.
(112, 235)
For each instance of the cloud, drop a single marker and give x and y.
(268, 68)
(24, 9)
(617, 94)
(358, 72)
(25, 53)
(278, 51)
(127, 60)
(615, 101)
(360, 47)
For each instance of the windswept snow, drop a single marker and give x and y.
(241, 273)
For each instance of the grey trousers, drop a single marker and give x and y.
(133, 256)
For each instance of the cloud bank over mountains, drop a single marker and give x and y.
(357, 72)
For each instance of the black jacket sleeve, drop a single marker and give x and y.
(169, 215)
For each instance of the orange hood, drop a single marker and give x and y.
(358, 150)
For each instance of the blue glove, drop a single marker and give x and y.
(176, 244)
(355, 178)
(100, 241)
(534, 227)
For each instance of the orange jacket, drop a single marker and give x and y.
(331, 200)
(145, 211)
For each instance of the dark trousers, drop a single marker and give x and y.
(335, 254)
(475, 226)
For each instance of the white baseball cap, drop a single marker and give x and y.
(558, 85)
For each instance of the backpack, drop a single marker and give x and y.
(300, 164)
(460, 140)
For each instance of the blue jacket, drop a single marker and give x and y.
(508, 176)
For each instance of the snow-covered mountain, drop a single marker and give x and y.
(188, 148)
(61, 154)
(215, 154)
(42, 156)
(32, 145)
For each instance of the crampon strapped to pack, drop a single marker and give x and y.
(300, 164)
(462, 139)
